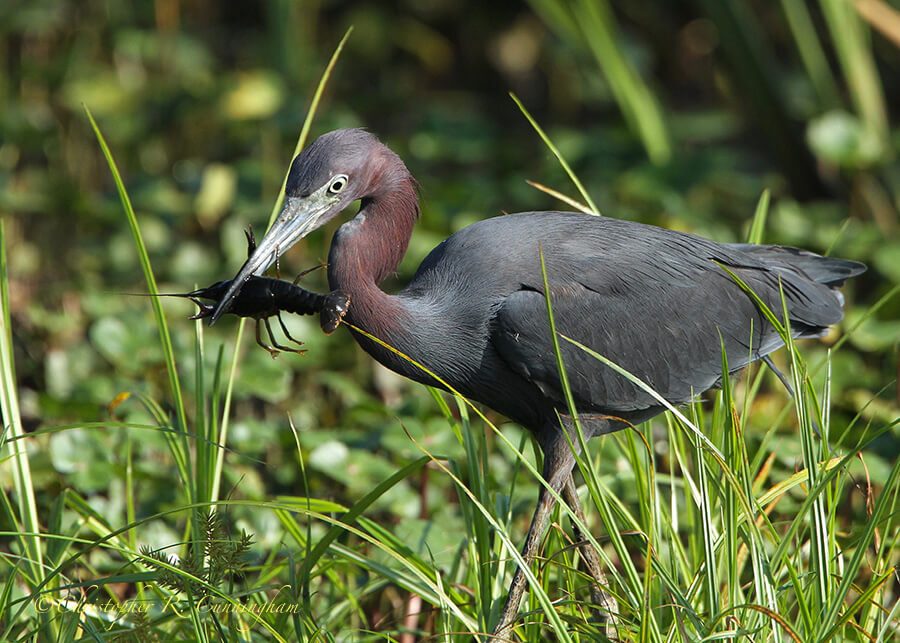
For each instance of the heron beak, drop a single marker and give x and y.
(299, 217)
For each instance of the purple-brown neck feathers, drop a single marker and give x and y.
(367, 249)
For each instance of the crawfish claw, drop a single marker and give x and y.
(206, 310)
(337, 304)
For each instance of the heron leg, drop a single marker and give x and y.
(539, 522)
(781, 376)
(790, 389)
(558, 464)
(599, 596)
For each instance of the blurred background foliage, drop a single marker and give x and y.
(674, 113)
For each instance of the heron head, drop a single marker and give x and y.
(339, 168)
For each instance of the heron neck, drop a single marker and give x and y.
(368, 249)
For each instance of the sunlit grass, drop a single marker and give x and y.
(29, 563)
(592, 24)
(698, 548)
(713, 523)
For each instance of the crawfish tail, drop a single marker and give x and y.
(294, 299)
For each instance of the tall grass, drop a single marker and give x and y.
(699, 549)
(592, 24)
(30, 560)
(713, 522)
(852, 42)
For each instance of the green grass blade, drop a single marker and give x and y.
(276, 208)
(155, 302)
(758, 223)
(356, 510)
(853, 45)
(591, 24)
(479, 530)
(307, 123)
(712, 448)
(632, 583)
(557, 154)
(811, 53)
(412, 577)
(534, 584)
(731, 447)
(831, 617)
(561, 367)
(635, 99)
(708, 532)
(812, 458)
(12, 429)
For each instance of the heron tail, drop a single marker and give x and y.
(828, 271)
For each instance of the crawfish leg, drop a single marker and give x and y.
(273, 351)
(285, 349)
(307, 271)
(287, 334)
(251, 241)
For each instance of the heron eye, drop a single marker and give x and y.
(338, 183)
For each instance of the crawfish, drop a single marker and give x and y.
(262, 298)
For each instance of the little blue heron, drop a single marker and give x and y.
(656, 302)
